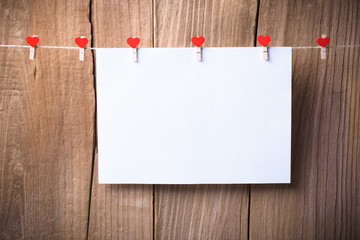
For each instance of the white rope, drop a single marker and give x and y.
(93, 48)
(57, 47)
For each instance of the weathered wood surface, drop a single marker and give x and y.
(203, 211)
(48, 159)
(223, 23)
(46, 122)
(323, 201)
(121, 211)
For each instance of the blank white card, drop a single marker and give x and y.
(169, 119)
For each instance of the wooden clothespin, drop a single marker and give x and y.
(32, 41)
(135, 54)
(265, 53)
(134, 42)
(323, 41)
(81, 42)
(198, 41)
(264, 41)
(81, 54)
(199, 54)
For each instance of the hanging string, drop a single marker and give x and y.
(56, 47)
(94, 48)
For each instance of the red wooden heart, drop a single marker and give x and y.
(133, 42)
(197, 41)
(264, 40)
(323, 42)
(81, 42)
(32, 41)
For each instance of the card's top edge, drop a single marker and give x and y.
(189, 47)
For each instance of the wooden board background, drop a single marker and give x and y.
(48, 149)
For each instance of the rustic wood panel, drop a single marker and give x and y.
(323, 200)
(121, 211)
(223, 23)
(203, 211)
(46, 122)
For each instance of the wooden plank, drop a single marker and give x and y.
(46, 122)
(322, 202)
(223, 23)
(203, 211)
(121, 211)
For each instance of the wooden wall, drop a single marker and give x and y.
(48, 151)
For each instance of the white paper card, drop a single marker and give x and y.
(169, 119)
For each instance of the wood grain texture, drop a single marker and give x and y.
(323, 200)
(114, 21)
(46, 122)
(47, 109)
(121, 211)
(203, 211)
(223, 23)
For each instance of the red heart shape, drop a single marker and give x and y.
(323, 42)
(32, 41)
(81, 42)
(264, 40)
(197, 41)
(133, 42)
